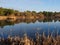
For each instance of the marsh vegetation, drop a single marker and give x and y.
(25, 40)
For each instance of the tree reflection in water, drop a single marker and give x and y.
(12, 22)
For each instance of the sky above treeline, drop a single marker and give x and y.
(32, 5)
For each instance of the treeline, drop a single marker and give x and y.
(8, 12)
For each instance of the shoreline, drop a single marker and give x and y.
(20, 17)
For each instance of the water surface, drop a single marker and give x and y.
(18, 29)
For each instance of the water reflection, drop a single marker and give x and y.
(12, 22)
(19, 27)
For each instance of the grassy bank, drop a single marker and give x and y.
(20, 17)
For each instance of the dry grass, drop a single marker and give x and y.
(39, 40)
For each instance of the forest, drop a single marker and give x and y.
(28, 14)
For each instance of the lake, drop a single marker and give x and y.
(20, 27)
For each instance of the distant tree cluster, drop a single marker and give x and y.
(7, 12)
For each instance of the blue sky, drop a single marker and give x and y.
(36, 5)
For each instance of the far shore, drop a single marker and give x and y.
(19, 17)
(15, 14)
